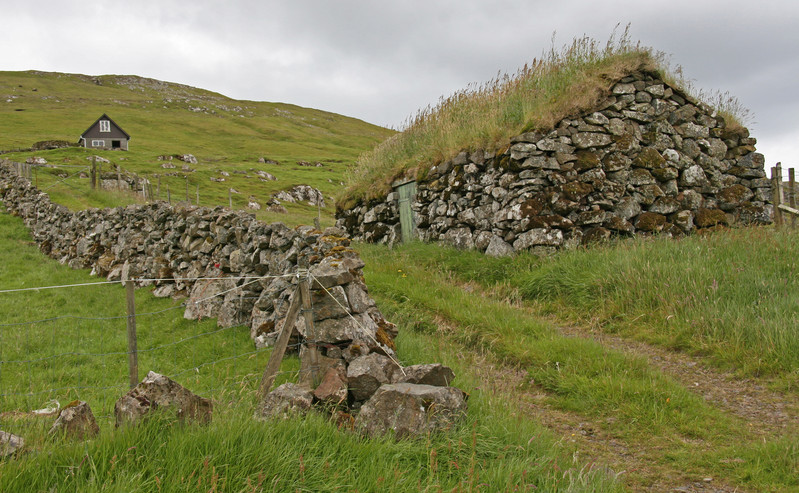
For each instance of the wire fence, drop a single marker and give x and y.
(47, 362)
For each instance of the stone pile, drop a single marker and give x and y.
(410, 401)
(649, 159)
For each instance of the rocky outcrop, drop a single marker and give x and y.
(301, 193)
(648, 160)
(159, 392)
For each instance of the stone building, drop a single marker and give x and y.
(647, 159)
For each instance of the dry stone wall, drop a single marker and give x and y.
(226, 263)
(649, 159)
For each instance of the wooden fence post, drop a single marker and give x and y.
(94, 172)
(776, 193)
(158, 190)
(187, 188)
(133, 356)
(307, 313)
(230, 198)
(168, 196)
(280, 345)
(198, 193)
(792, 195)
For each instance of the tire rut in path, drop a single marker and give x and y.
(766, 412)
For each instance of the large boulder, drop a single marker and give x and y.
(157, 391)
(10, 444)
(75, 421)
(285, 401)
(411, 409)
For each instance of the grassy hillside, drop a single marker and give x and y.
(225, 135)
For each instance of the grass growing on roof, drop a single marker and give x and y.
(486, 116)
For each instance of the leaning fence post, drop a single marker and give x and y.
(280, 345)
(133, 356)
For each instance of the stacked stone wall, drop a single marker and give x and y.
(225, 263)
(648, 160)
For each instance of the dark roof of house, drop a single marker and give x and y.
(105, 117)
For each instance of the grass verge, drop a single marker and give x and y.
(81, 356)
(659, 418)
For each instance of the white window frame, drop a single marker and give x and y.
(105, 125)
(98, 143)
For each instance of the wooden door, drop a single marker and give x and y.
(406, 192)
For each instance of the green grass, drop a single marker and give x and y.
(494, 448)
(560, 84)
(226, 135)
(427, 285)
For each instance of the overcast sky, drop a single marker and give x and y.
(381, 61)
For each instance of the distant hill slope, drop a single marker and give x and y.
(227, 136)
(161, 116)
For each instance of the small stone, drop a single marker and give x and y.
(285, 401)
(10, 444)
(76, 421)
(157, 391)
(427, 374)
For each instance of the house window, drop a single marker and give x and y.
(105, 126)
(98, 143)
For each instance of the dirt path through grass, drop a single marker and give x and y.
(766, 412)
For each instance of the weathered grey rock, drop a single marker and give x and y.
(366, 374)
(585, 140)
(460, 238)
(538, 237)
(409, 410)
(10, 444)
(497, 247)
(693, 176)
(75, 421)
(159, 392)
(426, 374)
(334, 330)
(285, 401)
(332, 271)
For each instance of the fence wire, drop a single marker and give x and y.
(71, 357)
